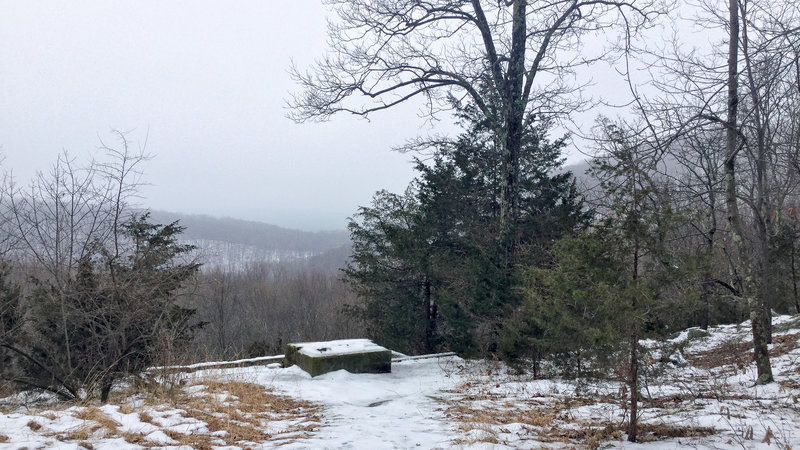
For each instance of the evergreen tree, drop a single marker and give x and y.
(576, 313)
(112, 319)
(786, 262)
(600, 294)
(390, 269)
(436, 252)
(11, 318)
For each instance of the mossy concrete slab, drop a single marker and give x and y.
(352, 355)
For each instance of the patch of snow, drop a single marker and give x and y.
(419, 404)
(201, 365)
(340, 347)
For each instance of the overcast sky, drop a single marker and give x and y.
(205, 83)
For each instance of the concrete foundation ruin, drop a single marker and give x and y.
(352, 355)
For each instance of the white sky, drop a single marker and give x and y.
(205, 82)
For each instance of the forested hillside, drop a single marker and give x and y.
(256, 234)
(233, 244)
(262, 286)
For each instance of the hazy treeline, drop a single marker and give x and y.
(262, 287)
(258, 310)
(255, 234)
(93, 289)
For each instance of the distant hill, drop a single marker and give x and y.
(234, 243)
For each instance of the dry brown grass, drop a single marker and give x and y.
(195, 441)
(654, 432)
(154, 389)
(94, 420)
(81, 433)
(254, 397)
(675, 400)
(790, 383)
(238, 429)
(93, 414)
(3, 438)
(242, 411)
(551, 425)
(246, 410)
(467, 415)
(784, 344)
(576, 434)
(145, 417)
(738, 354)
(36, 406)
(135, 438)
(480, 434)
(483, 416)
(585, 434)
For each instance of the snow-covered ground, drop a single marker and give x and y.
(700, 393)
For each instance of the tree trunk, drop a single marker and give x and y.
(511, 133)
(794, 278)
(749, 288)
(705, 294)
(764, 213)
(708, 279)
(430, 315)
(633, 373)
(105, 390)
(633, 425)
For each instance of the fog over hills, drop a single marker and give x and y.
(232, 244)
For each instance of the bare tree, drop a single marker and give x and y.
(61, 212)
(64, 213)
(749, 92)
(510, 59)
(255, 310)
(101, 296)
(759, 84)
(7, 237)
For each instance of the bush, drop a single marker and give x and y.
(107, 321)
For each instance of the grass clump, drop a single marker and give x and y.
(234, 413)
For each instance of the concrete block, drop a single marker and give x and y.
(352, 355)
